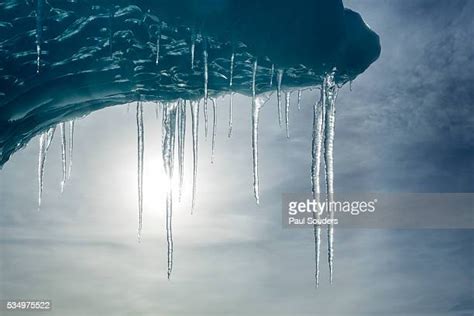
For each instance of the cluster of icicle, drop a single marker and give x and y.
(174, 123)
(324, 116)
(67, 146)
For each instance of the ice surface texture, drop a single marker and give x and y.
(63, 59)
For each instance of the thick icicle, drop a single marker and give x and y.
(39, 32)
(272, 73)
(181, 142)
(169, 132)
(279, 79)
(256, 106)
(287, 113)
(62, 127)
(195, 136)
(71, 147)
(231, 110)
(214, 128)
(44, 141)
(317, 145)
(140, 154)
(330, 91)
(299, 99)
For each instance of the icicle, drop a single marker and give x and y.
(330, 91)
(254, 77)
(195, 134)
(193, 47)
(71, 147)
(317, 144)
(39, 32)
(287, 113)
(231, 76)
(214, 128)
(140, 155)
(206, 76)
(62, 127)
(206, 119)
(158, 39)
(279, 79)
(51, 132)
(231, 101)
(181, 142)
(206, 92)
(272, 72)
(231, 105)
(169, 132)
(257, 105)
(41, 161)
(299, 99)
(44, 141)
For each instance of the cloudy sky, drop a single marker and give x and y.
(407, 126)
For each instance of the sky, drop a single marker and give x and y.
(406, 126)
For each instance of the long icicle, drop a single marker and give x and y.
(255, 116)
(62, 127)
(279, 80)
(195, 136)
(214, 128)
(140, 156)
(316, 150)
(287, 113)
(169, 131)
(71, 147)
(331, 94)
(231, 98)
(44, 141)
(181, 142)
(39, 32)
(206, 81)
(41, 162)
